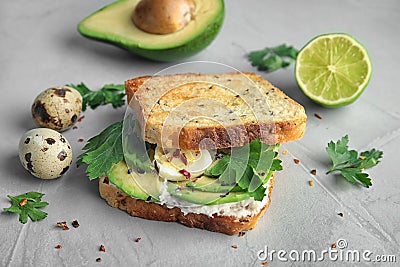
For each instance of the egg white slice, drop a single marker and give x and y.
(173, 168)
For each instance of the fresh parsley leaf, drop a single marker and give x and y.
(102, 151)
(26, 206)
(247, 167)
(109, 94)
(350, 164)
(273, 58)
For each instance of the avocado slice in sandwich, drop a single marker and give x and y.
(160, 30)
(199, 149)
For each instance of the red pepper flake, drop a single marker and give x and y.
(265, 263)
(81, 118)
(340, 214)
(65, 228)
(333, 245)
(234, 246)
(138, 239)
(23, 202)
(58, 247)
(318, 116)
(106, 181)
(98, 260)
(185, 173)
(74, 127)
(61, 224)
(80, 140)
(102, 248)
(184, 159)
(313, 172)
(241, 234)
(176, 153)
(297, 161)
(75, 224)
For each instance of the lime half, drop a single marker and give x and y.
(333, 69)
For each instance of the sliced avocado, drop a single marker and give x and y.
(208, 184)
(138, 186)
(205, 198)
(113, 24)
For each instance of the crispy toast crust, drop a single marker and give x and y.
(230, 225)
(270, 129)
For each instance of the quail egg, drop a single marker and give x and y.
(45, 153)
(57, 108)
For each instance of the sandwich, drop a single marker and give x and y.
(198, 149)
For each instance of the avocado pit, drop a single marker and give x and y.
(163, 16)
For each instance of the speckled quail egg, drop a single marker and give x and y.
(57, 108)
(45, 153)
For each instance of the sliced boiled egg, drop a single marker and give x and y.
(178, 164)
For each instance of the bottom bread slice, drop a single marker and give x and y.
(230, 225)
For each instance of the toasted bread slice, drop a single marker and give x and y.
(226, 110)
(230, 225)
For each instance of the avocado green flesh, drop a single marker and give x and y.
(113, 24)
(129, 183)
(205, 198)
(205, 191)
(207, 184)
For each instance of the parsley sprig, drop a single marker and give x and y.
(109, 94)
(271, 59)
(350, 164)
(102, 151)
(247, 167)
(26, 206)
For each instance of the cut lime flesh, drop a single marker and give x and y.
(333, 69)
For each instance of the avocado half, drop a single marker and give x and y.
(113, 24)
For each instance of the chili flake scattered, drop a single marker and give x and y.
(23, 202)
(333, 245)
(234, 246)
(58, 247)
(318, 116)
(61, 224)
(297, 161)
(98, 260)
(80, 140)
(75, 224)
(81, 118)
(138, 239)
(313, 172)
(340, 214)
(74, 127)
(241, 234)
(102, 248)
(185, 173)
(265, 263)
